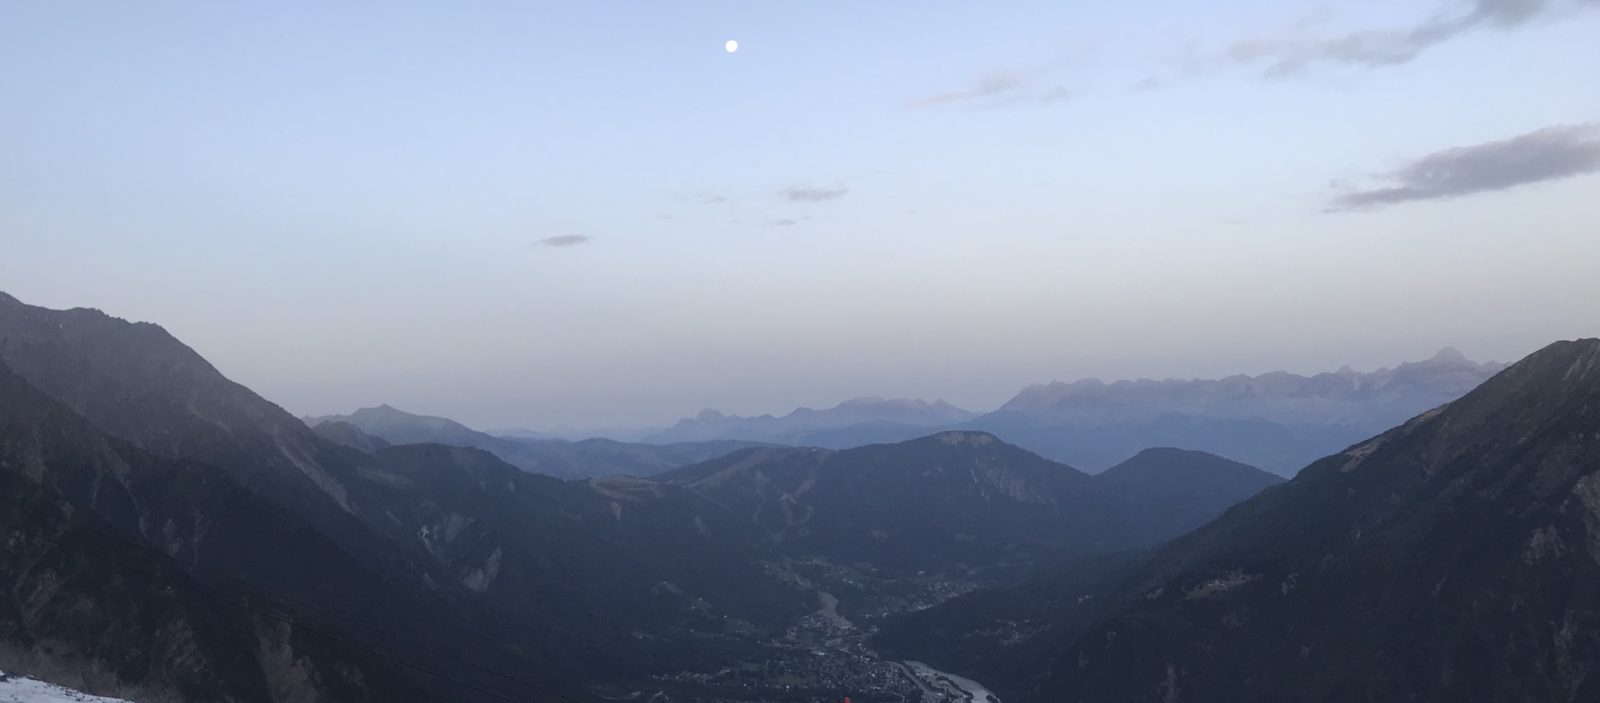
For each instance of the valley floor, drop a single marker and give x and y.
(824, 656)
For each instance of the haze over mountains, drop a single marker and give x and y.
(961, 497)
(1278, 421)
(374, 428)
(1456, 557)
(171, 533)
(800, 352)
(864, 420)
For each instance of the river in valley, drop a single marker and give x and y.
(944, 686)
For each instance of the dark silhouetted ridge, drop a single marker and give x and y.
(1456, 557)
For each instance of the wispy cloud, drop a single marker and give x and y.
(786, 221)
(699, 196)
(565, 240)
(998, 89)
(812, 195)
(1545, 155)
(994, 85)
(1055, 94)
(1372, 48)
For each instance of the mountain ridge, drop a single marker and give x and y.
(992, 499)
(568, 459)
(1278, 421)
(157, 613)
(878, 418)
(1455, 557)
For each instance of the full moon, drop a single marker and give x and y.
(731, 46)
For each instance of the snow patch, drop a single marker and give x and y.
(1587, 492)
(1360, 454)
(1543, 543)
(480, 579)
(1220, 585)
(18, 689)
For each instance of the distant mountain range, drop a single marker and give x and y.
(368, 429)
(1455, 557)
(964, 498)
(170, 532)
(1278, 421)
(853, 423)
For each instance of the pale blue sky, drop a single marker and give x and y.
(342, 206)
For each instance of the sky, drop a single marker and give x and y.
(528, 214)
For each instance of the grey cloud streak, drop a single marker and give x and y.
(1391, 47)
(1002, 89)
(1548, 154)
(993, 85)
(813, 195)
(565, 240)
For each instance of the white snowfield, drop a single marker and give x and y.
(18, 689)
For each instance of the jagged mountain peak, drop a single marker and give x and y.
(1525, 395)
(1450, 355)
(1279, 421)
(870, 401)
